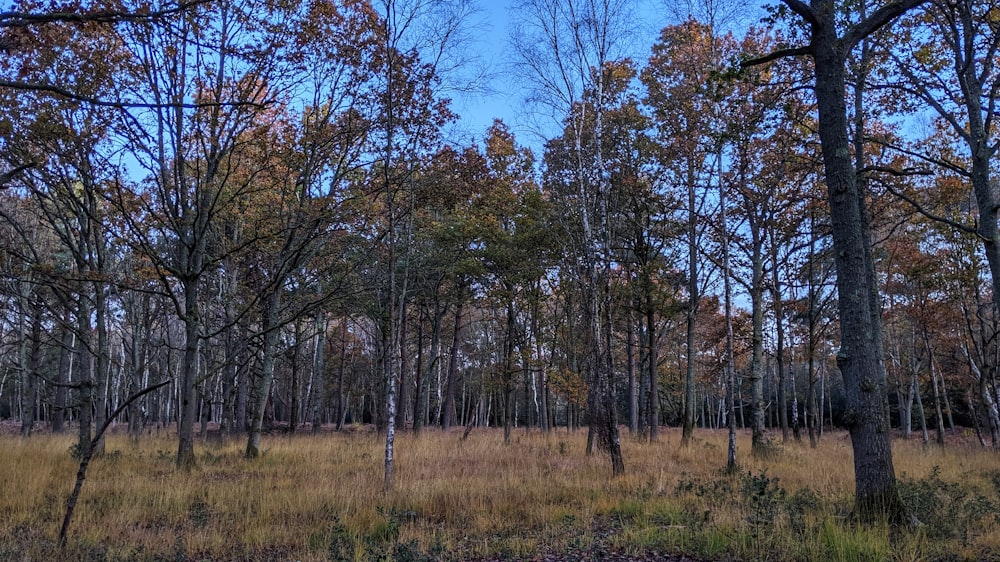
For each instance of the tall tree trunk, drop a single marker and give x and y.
(779, 326)
(402, 396)
(759, 442)
(687, 432)
(859, 359)
(319, 372)
(860, 355)
(729, 370)
(262, 384)
(652, 364)
(448, 413)
(189, 372)
(341, 367)
(59, 405)
(633, 386)
(85, 379)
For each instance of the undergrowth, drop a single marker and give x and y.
(320, 497)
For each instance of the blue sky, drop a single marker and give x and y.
(505, 98)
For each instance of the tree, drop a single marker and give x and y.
(566, 48)
(677, 82)
(69, 171)
(860, 356)
(208, 78)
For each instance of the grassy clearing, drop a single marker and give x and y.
(320, 498)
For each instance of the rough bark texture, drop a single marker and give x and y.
(866, 414)
(860, 357)
(189, 371)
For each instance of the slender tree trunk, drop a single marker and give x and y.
(189, 372)
(729, 370)
(402, 395)
(448, 414)
(925, 438)
(633, 386)
(651, 365)
(103, 363)
(31, 364)
(687, 432)
(779, 325)
(543, 414)
(262, 387)
(319, 372)
(341, 367)
(759, 442)
(85, 380)
(62, 374)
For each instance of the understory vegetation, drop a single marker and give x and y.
(320, 497)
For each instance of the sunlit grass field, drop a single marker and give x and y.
(320, 497)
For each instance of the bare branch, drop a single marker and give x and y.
(775, 55)
(803, 10)
(64, 93)
(877, 20)
(7, 176)
(24, 19)
(929, 215)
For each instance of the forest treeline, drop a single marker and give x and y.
(257, 202)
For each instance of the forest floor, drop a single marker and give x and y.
(540, 497)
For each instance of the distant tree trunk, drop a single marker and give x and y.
(652, 364)
(341, 367)
(508, 373)
(85, 380)
(779, 325)
(402, 394)
(449, 415)
(262, 387)
(139, 336)
(103, 362)
(188, 407)
(242, 388)
(938, 412)
(62, 374)
(543, 414)
(633, 386)
(30, 365)
(294, 383)
(906, 408)
(319, 372)
(814, 410)
(687, 431)
(925, 438)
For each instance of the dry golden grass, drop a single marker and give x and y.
(320, 497)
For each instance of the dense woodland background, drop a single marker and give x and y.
(256, 202)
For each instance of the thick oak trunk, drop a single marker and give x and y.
(866, 411)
